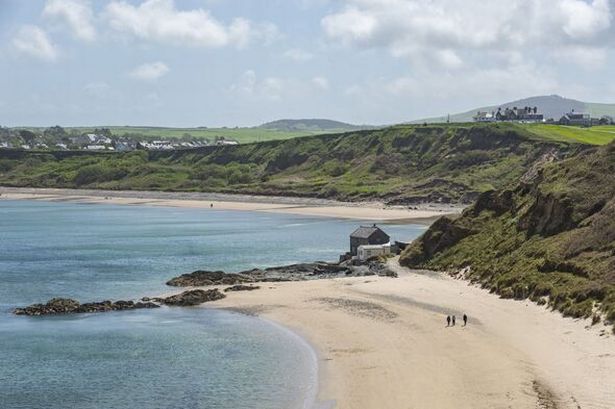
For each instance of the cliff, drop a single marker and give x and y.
(550, 238)
(399, 165)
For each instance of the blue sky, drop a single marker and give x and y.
(244, 62)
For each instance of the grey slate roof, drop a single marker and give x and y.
(364, 232)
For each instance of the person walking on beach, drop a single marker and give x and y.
(465, 320)
(448, 320)
(453, 320)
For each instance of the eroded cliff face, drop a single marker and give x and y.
(443, 234)
(549, 214)
(550, 237)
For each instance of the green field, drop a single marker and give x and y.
(242, 135)
(596, 135)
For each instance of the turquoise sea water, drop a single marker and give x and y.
(163, 358)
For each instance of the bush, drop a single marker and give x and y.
(98, 174)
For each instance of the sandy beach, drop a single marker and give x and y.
(384, 343)
(372, 211)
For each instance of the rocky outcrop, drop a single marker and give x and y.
(203, 277)
(497, 202)
(192, 297)
(69, 306)
(443, 234)
(293, 272)
(548, 215)
(241, 287)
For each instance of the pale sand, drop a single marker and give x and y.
(383, 343)
(371, 211)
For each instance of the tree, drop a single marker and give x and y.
(28, 136)
(55, 132)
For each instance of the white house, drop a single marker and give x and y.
(367, 251)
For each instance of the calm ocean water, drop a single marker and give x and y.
(163, 358)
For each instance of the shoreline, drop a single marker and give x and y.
(383, 343)
(368, 211)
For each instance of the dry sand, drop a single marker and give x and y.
(372, 211)
(383, 343)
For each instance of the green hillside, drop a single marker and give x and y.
(550, 238)
(399, 165)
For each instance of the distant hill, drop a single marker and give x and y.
(313, 125)
(553, 106)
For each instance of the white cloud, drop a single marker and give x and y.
(150, 72)
(321, 83)
(585, 20)
(33, 41)
(445, 31)
(77, 14)
(160, 21)
(277, 88)
(299, 55)
(590, 58)
(475, 84)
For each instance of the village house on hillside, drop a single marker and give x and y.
(525, 114)
(576, 119)
(373, 237)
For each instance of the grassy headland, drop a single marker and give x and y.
(400, 164)
(550, 238)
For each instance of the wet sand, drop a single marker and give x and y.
(372, 211)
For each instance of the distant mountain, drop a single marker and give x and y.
(553, 106)
(314, 125)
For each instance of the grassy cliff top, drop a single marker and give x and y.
(400, 165)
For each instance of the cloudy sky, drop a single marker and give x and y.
(244, 62)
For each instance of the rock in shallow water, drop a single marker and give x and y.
(69, 306)
(192, 297)
(203, 277)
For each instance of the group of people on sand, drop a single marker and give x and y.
(450, 320)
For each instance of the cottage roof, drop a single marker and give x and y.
(365, 232)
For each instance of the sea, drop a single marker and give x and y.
(171, 358)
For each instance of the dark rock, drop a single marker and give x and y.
(548, 215)
(192, 297)
(53, 306)
(202, 278)
(241, 287)
(441, 235)
(69, 306)
(499, 203)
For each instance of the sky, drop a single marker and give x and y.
(187, 63)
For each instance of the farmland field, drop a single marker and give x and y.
(242, 135)
(596, 135)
